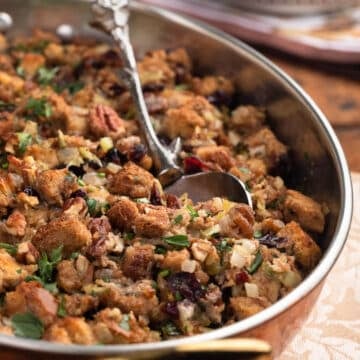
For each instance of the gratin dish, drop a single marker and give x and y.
(319, 168)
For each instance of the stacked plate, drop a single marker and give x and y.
(292, 7)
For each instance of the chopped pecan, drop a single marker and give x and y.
(104, 121)
(99, 228)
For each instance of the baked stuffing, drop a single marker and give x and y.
(93, 250)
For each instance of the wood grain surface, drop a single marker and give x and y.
(336, 90)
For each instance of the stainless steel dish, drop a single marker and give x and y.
(319, 166)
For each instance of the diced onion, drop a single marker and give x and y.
(211, 231)
(69, 156)
(188, 266)
(186, 310)
(113, 168)
(106, 144)
(92, 178)
(238, 259)
(252, 290)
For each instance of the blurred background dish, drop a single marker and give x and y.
(319, 30)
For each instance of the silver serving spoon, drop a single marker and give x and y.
(112, 17)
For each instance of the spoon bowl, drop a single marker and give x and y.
(204, 186)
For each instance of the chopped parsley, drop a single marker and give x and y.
(61, 309)
(223, 246)
(256, 263)
(177, 240)
(178, 219)
(20, 71)
(38, 108)
(128, 235)
(72, 87)
(97, 208)
(45, 76)
(38, 47)
(193, 213)
(169, 329)
(160, 250)
(11, 249)
(164, 273)
(25, 140)
(47, 265)
(27, 325)
(257, 234)
(74, 255)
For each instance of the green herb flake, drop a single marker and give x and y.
(160, 250)
(177, 240)
(46, 266)
(24, 141)
(19, 271)
(257, 234)
(256, 263)
(244, 170)
(51, 287)
(74, 255)
(45, 76)
(128, 235)
(61, 309)
(11, 249)
(27, 325)
(124, 323)
(20, 71)
(178, 296)
(38, 108)
(72, 87)
(223, 246)
(101, 175)
(164, 273)
(170, 329)
(5, 106)
(193, 213)
(5, 165)
(80, 182)
(182, 87)
(178, 219)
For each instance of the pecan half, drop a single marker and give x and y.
(104, 121)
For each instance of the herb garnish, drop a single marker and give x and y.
(97, 208)
(177, 240)
(193, 213)
(45, 76)
(25, 140)
(256, 263)
(61, 309)
(169, 329)
(178, 219)
(27, 325)
(38, 107)
(11, 249)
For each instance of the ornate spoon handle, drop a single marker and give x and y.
(112, 16)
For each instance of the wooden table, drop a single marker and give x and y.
(336, 89)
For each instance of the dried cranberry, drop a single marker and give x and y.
(116, 89)
(114, 156)
(186, 285)
(180, 74)
(219, 98)
(172, 309)
(271, 240)
(172, 201)
(193, 165)
(155, 196)
(241, 277)
(77, 170)
(137, 152)
(30, 191)
(153, 87)
(79, 193)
